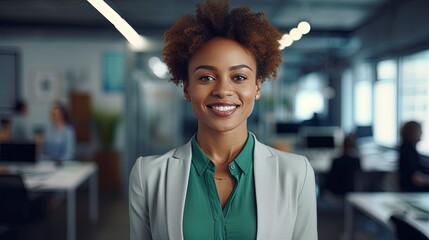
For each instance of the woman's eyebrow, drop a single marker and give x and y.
(240, 66)
(208, 67)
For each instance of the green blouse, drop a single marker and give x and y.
(203, 216)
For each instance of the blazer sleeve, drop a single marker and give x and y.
(306, 220)
(138, 207)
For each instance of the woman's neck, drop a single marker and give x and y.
(222, 147)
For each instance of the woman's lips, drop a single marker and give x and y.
(223, 110)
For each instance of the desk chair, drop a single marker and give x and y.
(405, 231)
(17, 207)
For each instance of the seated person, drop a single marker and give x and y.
(413, 177)
(341, 177)
(59, 140)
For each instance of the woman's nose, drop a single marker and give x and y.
(223, 88)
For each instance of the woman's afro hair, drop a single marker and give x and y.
(214, 18)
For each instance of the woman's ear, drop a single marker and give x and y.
(258, 88)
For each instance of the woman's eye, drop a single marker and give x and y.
(239, 78)
(206, 78)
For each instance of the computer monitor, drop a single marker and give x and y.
(287, 127)
(320, 142)
(18, 152)
(321, 137)
(363, 131)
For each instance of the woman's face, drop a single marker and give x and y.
(57, 116)
(222, 85)
(417, 134)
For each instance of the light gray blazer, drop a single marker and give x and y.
(284, 186)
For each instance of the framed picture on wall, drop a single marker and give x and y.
(45, 85)
(113, 71)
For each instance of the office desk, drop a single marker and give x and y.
(66, 178)
(380, 206)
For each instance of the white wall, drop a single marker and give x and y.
(63, 56)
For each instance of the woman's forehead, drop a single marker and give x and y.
(223, 51)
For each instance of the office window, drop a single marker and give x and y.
(307, 103)
(363, 103)
(347, 122)
(363, 96)
(309, 97)
(385, 104)
(415, 94)
(387, 70)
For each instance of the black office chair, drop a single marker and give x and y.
(404, 231)
(17, 207)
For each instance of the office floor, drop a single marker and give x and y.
(330, 220)
(114, 224)
(113, 218)
(113, 221)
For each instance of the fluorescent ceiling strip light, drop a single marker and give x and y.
(136, 40)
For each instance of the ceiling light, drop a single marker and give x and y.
(295, 34)
(158, 67)
(285, 41)
(304, 27)
(136, 41)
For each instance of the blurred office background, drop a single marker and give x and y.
(363, 68)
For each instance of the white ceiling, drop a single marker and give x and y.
(332, 20)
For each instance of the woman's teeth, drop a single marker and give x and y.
(223, 108)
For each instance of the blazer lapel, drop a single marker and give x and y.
(265, 170)
(176, 187)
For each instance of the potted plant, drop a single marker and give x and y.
(106, 156)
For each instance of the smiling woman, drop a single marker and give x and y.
(224, 183)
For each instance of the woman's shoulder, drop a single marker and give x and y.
(149, 167)
(150, 170)
(153, 162)
(287, 166)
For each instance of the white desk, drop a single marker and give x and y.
(380, 206)
(66, 178)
